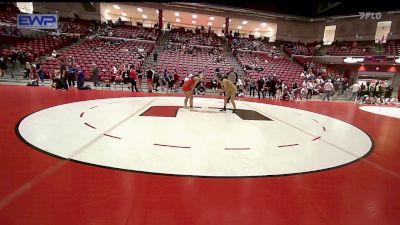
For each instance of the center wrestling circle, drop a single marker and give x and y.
(156, 135)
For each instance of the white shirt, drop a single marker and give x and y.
(328, 86)
(355, 88)
(309, 85)
(240, 82)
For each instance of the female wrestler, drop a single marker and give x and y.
(188, 88)
(231, 90)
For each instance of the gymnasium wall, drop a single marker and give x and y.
(346, 29)
(67, 9)
(290, 30)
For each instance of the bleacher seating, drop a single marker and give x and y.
(361, 48)
(130, 32)
(12, 40)
(296, 48)
(200, 60)
(105, 53)
(39, 47)
(312, 48)
(192, 38)
(317, 67)
(74, 26)
(8, 14)
(392, 48)
(252, 44)
(284, 69)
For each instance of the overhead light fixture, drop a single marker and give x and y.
(107, 10)
(116, 6)
(239, 27)
(257, 29)
(178, 20)
(140, 9)
(157, 11)
(193, 21)
(397, 60)
(144, 16)
(244, 22)
(211, 18)
(194, 16)
(209, 23)
(263, 24)
(176, 14)
(223, 25)
(230, 20)
(123, 14)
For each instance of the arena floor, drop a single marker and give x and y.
(112, 157)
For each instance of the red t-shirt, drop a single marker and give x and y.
(132, 73)
(176, 77)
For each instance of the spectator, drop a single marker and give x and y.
(328, 88)
(3, 66)
(260, 86)
(54, 54)
(389, 91)
(398, 95)
(71, 76)
(56, 81)
(81, 79)
(95, 73)
(40, 73)
(132, 74)
(63, 74)
(310, 89)
(214, 83)
(201, 90)
(355, 90)
(33, 77)
(150, 77)
(140, 78)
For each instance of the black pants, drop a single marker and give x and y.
(272, 93)
(260, 92)
(64, 84)
(95, 81)
(265, 92)
(71, 80)
(309, 93)
(27, 72)
(252, 90)
(156, 83)
(133, 82)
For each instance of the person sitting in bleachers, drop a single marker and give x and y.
(201, 90)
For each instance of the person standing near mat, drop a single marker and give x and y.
(230, 89)
(188, 88)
